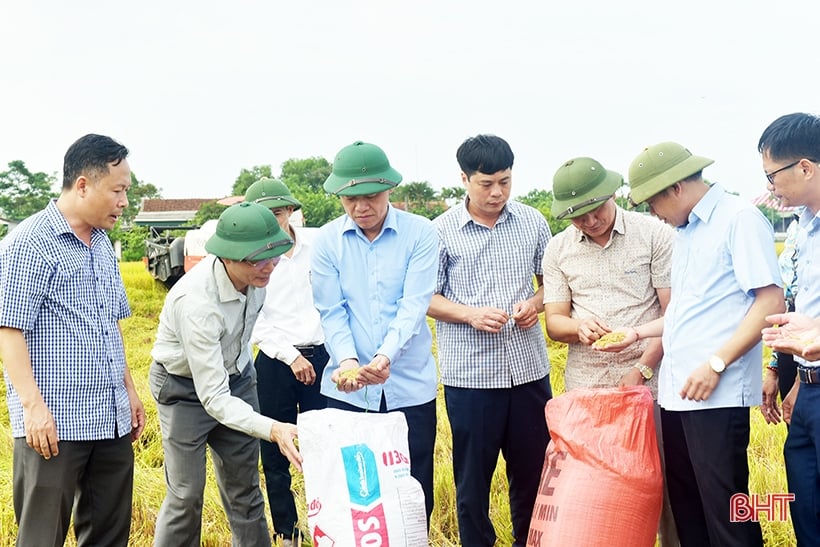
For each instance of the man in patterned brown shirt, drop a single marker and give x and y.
(611, 267)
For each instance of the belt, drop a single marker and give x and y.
(808, 375)
(309, 351)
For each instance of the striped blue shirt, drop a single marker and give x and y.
(67, 298)
(807, 300)
(481, 266)
(373, 298)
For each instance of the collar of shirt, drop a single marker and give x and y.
(807, 220)
(389, 224)
(619, 227)
(703, 209)
(62, 227)
(466, 217)
(227, 291)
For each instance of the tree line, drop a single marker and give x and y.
(23, 193)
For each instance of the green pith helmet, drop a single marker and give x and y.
(272, 193)
(248, 231)
(580, 186)
(659, 167)
(361, 169)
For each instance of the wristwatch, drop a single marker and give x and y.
(646, 372)
(717, 364)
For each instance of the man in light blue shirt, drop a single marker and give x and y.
(374, 271)
(725, 281)
(790, 149)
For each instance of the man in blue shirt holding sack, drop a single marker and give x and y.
(374, 271)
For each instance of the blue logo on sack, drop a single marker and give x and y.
(361, 474)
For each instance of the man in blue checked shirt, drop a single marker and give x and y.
(374, 270)
(492, 350)
(73, 406)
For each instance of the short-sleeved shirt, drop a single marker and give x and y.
(373, 298)
(721, 256)
(482, 266)
(204, 334)
(616, 283)
(67, 297)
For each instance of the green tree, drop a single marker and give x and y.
(453, 192)
(23, 193)
(542, 200)
(4, 229)
(419, 198)
(139, 190)
(132, 241)
(207, 211)
(249, 176)
(306, 174)
(305, 179)
(132, 238)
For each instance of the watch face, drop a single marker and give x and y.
(646, 372)
(717, 364)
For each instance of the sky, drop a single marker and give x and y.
(199, 90)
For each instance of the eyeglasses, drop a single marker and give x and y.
(770, 176)
(259, 264)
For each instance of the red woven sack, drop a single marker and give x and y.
(602, 483)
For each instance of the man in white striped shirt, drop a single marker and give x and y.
(491, 348)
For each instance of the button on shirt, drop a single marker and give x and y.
(66, 298)
(720, 257)
(204, 334)
(807, 300)
(481, 266)
(288, 317)
(373, 298)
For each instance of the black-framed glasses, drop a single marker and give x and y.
(770, 176)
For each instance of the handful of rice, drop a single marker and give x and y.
(351, 374)
(609, 339)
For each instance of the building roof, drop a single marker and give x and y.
(769, 200)
(168, 212)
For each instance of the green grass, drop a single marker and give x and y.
(146, 297)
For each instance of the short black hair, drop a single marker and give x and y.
(90, 155)
(485, 153)
(791, 137)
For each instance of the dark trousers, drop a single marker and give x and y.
(484, 422)
(786, 373)
(94, 477)
(421, 440)
(802, 453)
(282, 397)
(706, 463)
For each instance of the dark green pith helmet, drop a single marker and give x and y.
(659, 167)
(361, 169)
(248, 231)
(272, 193)
(580, 186)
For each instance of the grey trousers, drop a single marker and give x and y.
(186, 432)
(93, 477)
